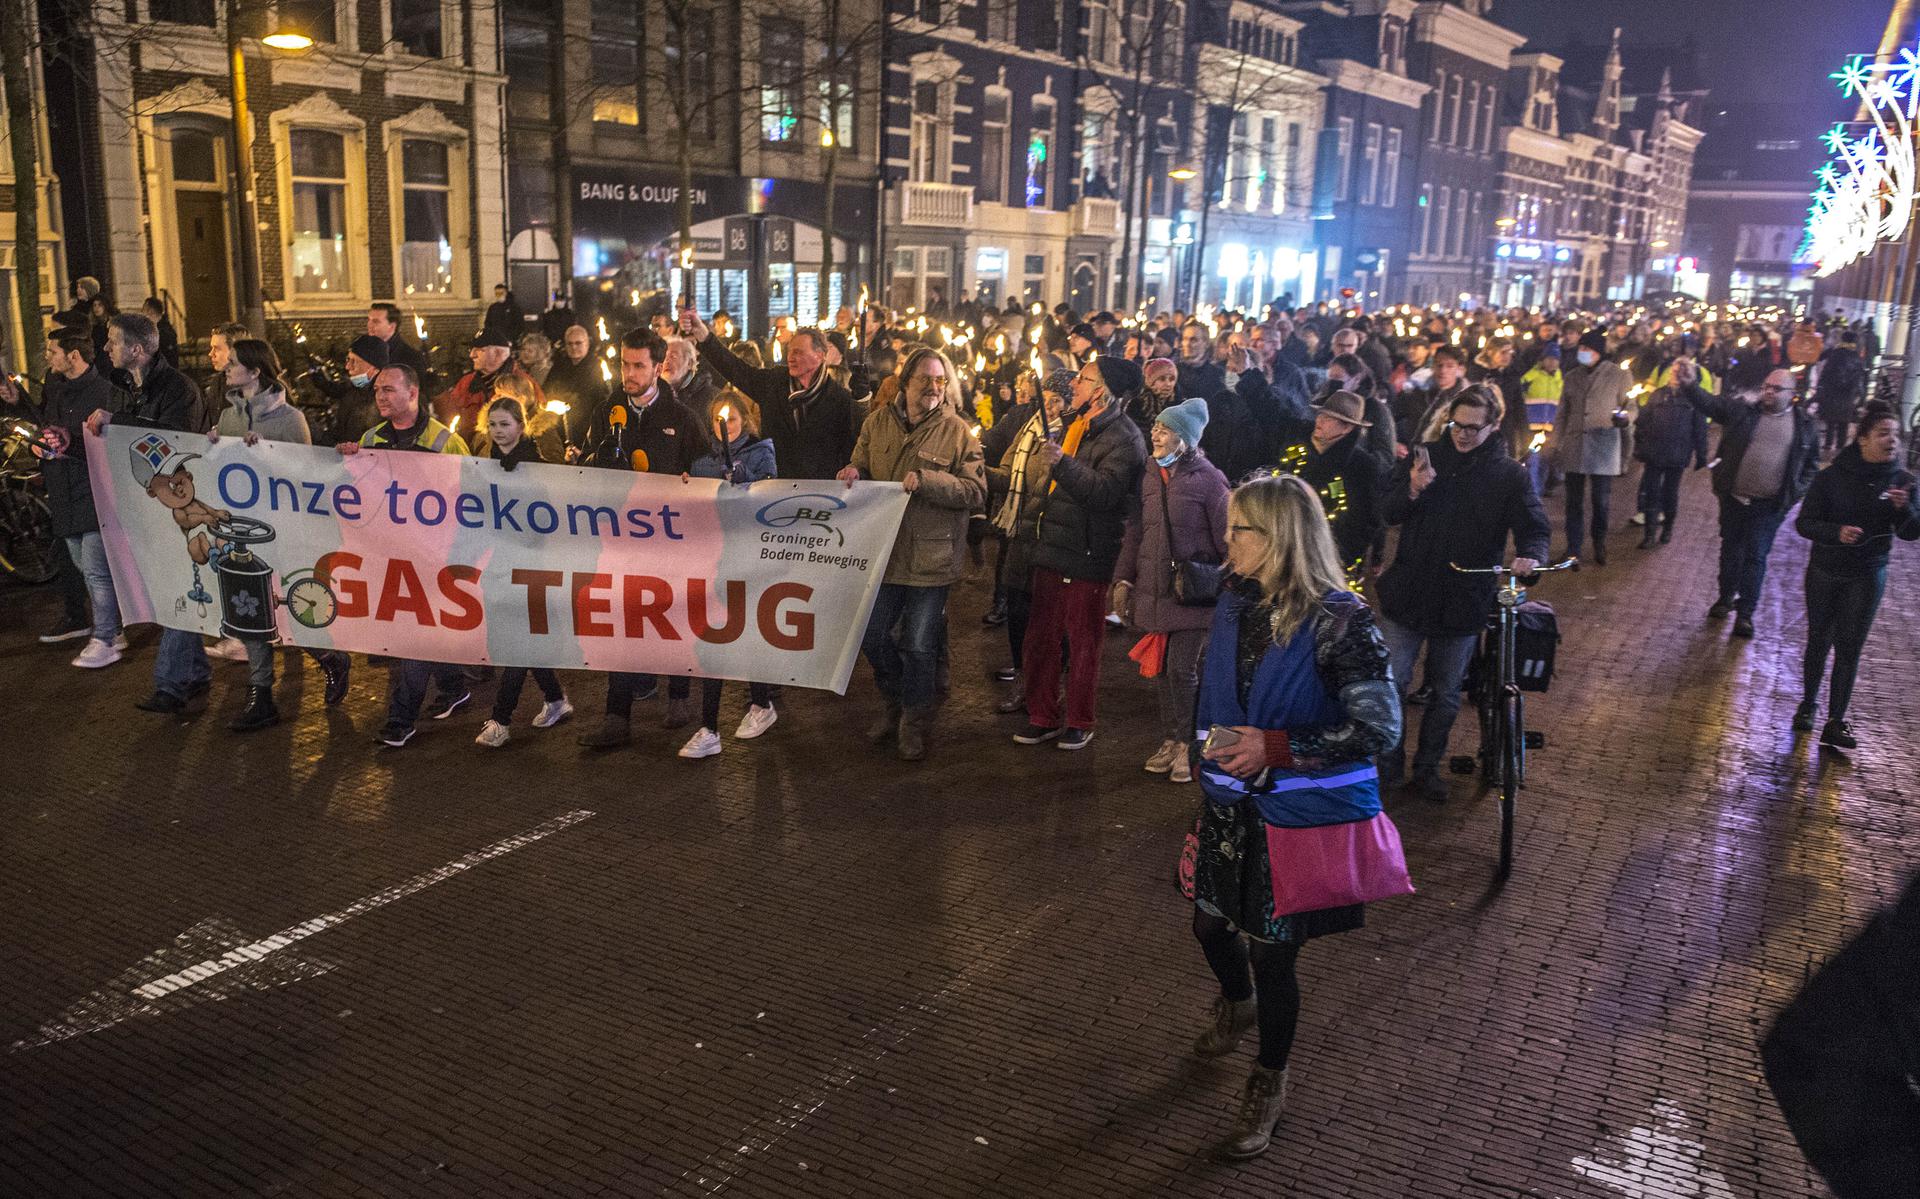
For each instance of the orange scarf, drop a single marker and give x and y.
(1070, 444)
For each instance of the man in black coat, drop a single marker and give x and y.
(640, 426)
(149, 393)
(1095, 475)
(1456, 500)
(383, 322)
(812, 419)
(74, 392)
(1326, 451)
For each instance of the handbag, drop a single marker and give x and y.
(1194, 584)
(1335, 865)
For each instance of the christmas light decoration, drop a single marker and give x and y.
(1866, 194)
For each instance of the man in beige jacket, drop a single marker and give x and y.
(920, 441)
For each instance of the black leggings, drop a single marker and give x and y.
(1272, 981)
(1840, 612)
(758, 694)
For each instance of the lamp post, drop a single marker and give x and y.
(241, 177)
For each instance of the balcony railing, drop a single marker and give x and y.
(1097, 216)
(947, 204)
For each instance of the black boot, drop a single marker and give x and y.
(996, 613)
(1650, 535)
(885, 725)
(914, 723)
(1666, 531)
(1599, 552)
(259, 712)
(338, 669)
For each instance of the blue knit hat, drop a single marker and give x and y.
(1187, 419)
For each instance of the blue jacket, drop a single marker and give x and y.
(1287, 693)
(752, 461)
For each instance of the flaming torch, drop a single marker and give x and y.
(726, 443)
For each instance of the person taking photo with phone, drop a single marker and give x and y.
(1456, 500)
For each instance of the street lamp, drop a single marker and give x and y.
(241, 177)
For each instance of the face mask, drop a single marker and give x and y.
(1587, 357)
(361, 380)
(1167, 459)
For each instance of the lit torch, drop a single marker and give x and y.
(558, 409)
(726, 443)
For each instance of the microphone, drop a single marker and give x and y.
(617, 415)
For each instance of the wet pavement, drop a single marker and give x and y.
(290, 964)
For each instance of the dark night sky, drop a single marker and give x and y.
(1750, 50)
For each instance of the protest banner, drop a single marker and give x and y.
(448, 558)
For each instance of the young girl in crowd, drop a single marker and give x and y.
(508, 444)
(747, 458)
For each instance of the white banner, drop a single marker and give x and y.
(454, 559)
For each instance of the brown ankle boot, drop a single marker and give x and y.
(1231, 1020)
(1260, 1107)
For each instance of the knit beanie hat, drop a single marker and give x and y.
(371, 349)
(1060, 383)
(1121, 376)
(1187, 419)
(1595, 340)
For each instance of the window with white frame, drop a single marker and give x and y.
(930, 139)
(780, 69)
(1370, 164)
(416, 27)
(1454, 88)
(1486, 122)
(1470, 109)
(1103, 34)
(1272, 188)
(1436, 114)
(1426, 218)
(1390, 171)
(1002, 17)
(317, 255)
(1343, 158)
(1291, 182)
(839, 102)
(1038, 189)
(996, 139)
(426, 265)
(1440, 222)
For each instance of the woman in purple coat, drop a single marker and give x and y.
(1181, 486)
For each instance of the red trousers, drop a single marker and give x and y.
(1077, 609)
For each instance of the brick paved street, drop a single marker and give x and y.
(803, 969)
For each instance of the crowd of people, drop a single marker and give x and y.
(1224, 484)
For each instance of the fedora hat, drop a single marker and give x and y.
(1346, 406)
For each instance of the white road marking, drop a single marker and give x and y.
(215, 949)
(1657, 1161)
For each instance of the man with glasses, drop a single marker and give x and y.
(920, 441)
(1456, 500)
(1094, 483)
(1769, 453)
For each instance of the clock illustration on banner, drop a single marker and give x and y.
(312, 602)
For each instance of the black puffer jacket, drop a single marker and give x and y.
(1848, 493)
(1464, 516)
(1083, 518)
(66, 405)
(1670, 431)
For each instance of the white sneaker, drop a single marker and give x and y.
(228, 649)
(757, 721)
(493, 735)
(97, 654)
(553, 713)
(1181, 771)
(703, 744)
(120, 641)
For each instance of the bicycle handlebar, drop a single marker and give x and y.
(1498, 571)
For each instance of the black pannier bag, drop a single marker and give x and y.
(1536, 637)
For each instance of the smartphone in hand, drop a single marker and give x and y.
(1219, 737)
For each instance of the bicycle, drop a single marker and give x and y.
(1504, 737)
(26, 522)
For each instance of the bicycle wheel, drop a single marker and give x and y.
(26, 538)
(1512, 751)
